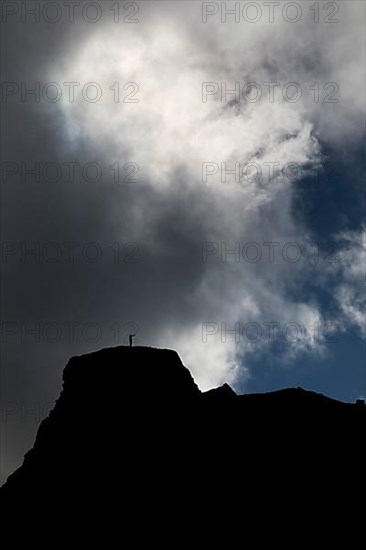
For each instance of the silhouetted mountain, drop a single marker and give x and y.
(131, 431)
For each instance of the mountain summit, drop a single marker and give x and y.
(131, 424)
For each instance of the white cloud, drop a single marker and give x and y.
(351, 293)
(171, 130)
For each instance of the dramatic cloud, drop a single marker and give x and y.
(181, 133)
(178, 217)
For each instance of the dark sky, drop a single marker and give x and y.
(117, 215)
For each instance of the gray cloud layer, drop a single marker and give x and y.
(166, 216)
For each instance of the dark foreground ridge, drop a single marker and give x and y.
(131, 425)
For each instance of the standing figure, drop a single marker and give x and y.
(130, 338)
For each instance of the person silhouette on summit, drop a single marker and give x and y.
(130, 338)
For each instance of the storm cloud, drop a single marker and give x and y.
(129, 222)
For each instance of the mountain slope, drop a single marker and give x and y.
(131, 424)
